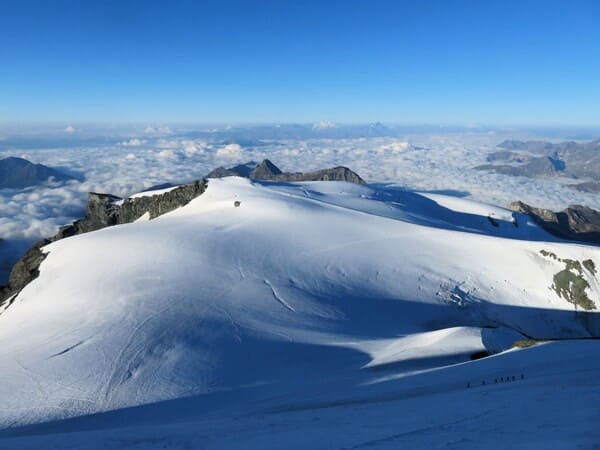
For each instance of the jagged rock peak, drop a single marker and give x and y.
(265, 171)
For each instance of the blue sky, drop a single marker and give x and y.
(459, 62)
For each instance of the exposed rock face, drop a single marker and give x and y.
(24, 270)
(157, 205)
(576, 222)
(241, 170)
(266, 170)
(332, 174)
(103, 210)
(20, 173)
(222, 172)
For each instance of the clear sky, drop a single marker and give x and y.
(461, 62)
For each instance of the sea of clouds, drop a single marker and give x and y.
(131, 163)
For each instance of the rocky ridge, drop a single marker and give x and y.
(577, 222)
(268, 171)
(103, 210)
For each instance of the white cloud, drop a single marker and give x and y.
(133, 142)
(166, 154)
(230, 151)
(323, 125)
(167, 143)
(395, 147)
(193, 147)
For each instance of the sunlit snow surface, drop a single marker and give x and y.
(436, 162)
(321, 315)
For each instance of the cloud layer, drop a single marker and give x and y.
(420, 162)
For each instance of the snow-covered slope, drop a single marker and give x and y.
(304, 288)
(551, 403)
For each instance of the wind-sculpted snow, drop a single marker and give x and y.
(301, 287)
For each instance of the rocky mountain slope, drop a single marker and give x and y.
(576, 222)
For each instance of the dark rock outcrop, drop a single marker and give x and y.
(25, 270)
(19, 173)
(578, 223)
(332, 174)
(103, 210)
(241, 170)
(222, 172)
(268, 171)
(157, 205)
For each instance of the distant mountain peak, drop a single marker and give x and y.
(19, 173)
(265, 170)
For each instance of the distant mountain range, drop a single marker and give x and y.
(19, 173)
(266, 170)
(323, 130)
(539, 159)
